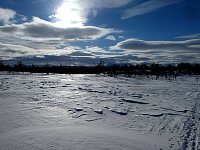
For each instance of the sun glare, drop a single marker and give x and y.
(69, 14)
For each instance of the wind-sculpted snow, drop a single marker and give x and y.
(39, 111)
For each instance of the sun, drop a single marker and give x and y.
(69, 14)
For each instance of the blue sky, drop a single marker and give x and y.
(85, 31)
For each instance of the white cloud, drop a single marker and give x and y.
(147, 7)
(22, 17)
(100, 52)
(171, 51)
(70, 55)
(191, 36)
(104, 3)
(39, 38)
(40, 29)
(11, 51)
(7, 15)
(111, 37)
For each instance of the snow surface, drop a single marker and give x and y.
(87, 112)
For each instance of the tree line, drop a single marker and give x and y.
(115, 69)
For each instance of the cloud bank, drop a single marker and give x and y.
(40, 38)
(41, 29)
(162, 51)
(142, 45)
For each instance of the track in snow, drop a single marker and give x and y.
(166, 109)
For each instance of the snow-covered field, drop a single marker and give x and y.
(88, 112)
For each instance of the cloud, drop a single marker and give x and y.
(40, 38)
(77, 12)
(128, 58)
(16, 51)
(72, 54)
(191, 36)
(137, 44)
(11, 51)
(147, 7)
(41, 29)
(69, 55)
(70, 60)
(6, 15)
(103, 3)
(110, 37)
(80, 54)
(158, 50)
(9, 16)
(57, 60)
(101, 52)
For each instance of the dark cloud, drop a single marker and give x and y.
(131, 58)
(136, 44)
(80, 54)
(162, 51)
